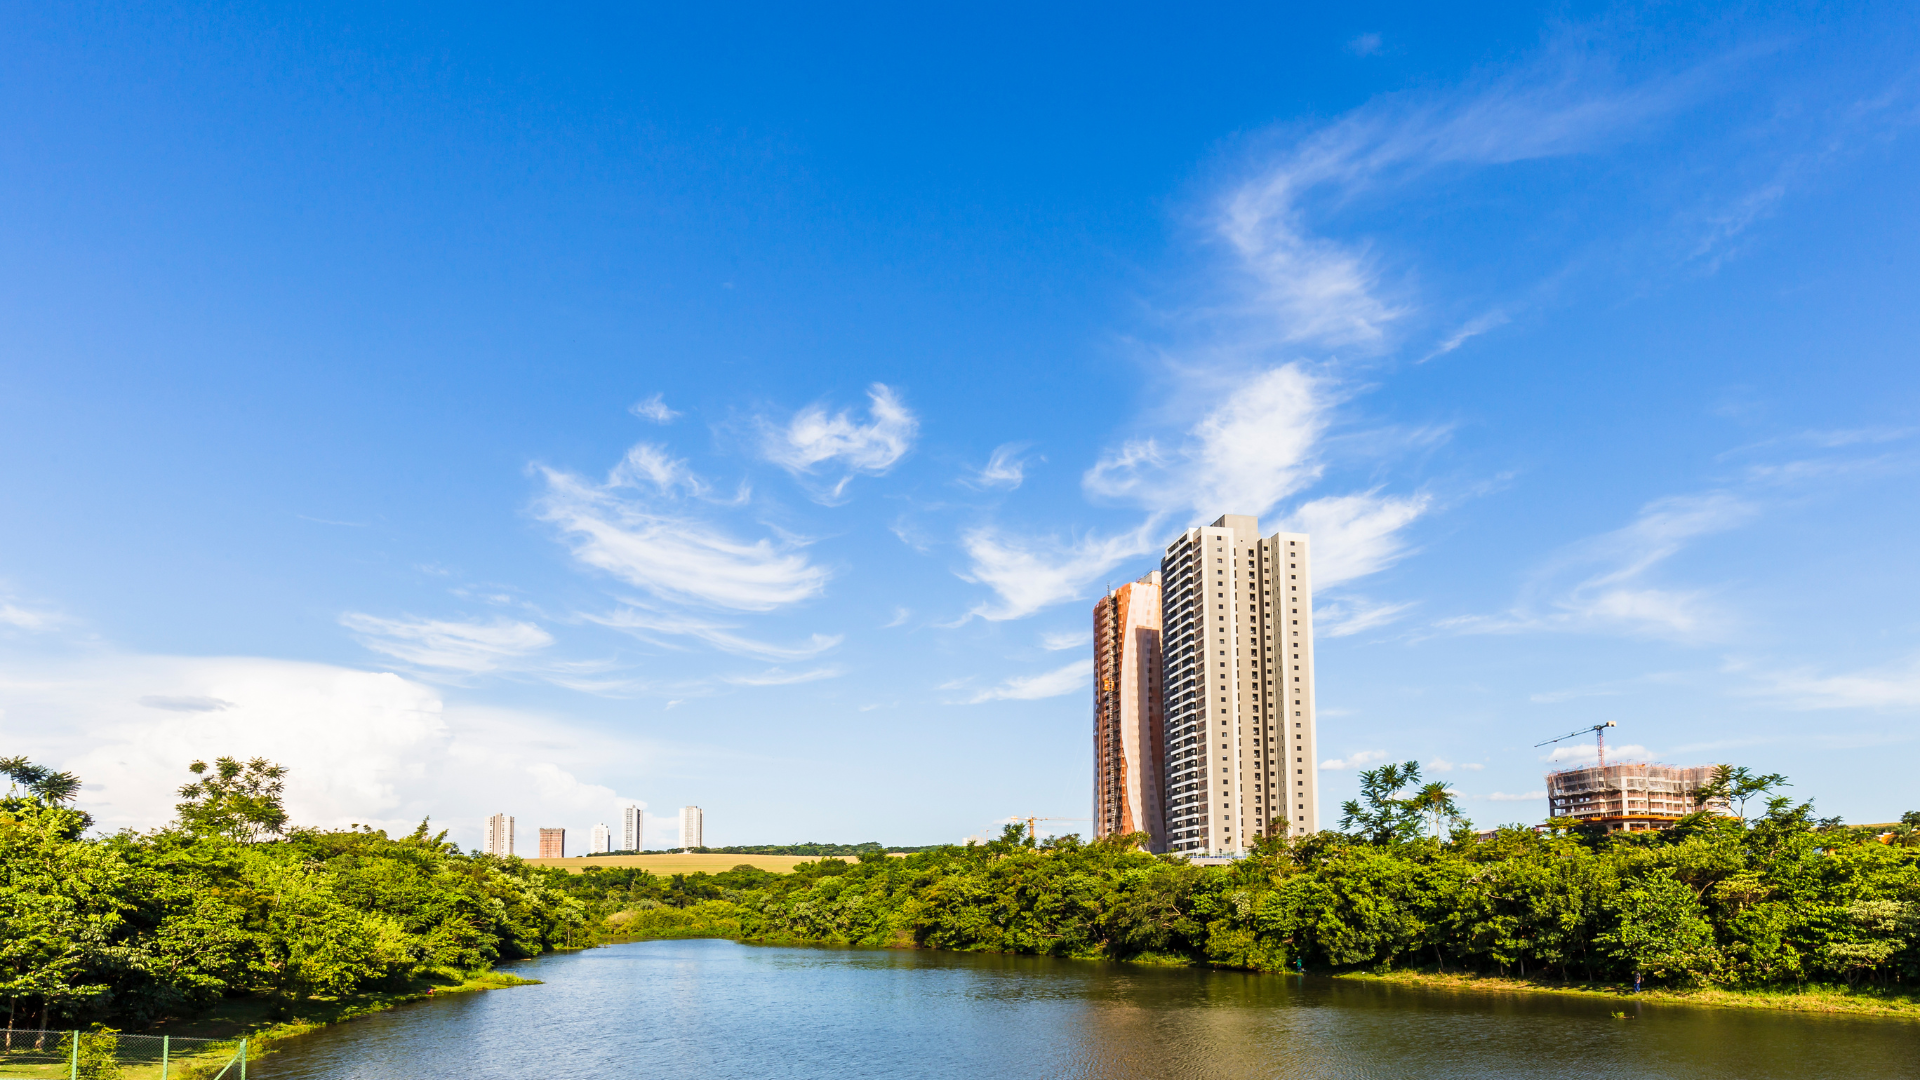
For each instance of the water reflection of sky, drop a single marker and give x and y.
(716, 1009)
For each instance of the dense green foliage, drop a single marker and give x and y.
(133, 927)
(1780, 900)
(810, 849)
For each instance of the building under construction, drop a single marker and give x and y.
(1634, 796)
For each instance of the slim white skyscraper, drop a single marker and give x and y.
(499, 836)
(692, 827)
(633, 821)
(1237, 656)
(601, 841)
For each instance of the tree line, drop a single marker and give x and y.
(1781, 898)
(228, 900)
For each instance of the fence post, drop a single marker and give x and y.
(243, 1059)
(73, 1059)
(166, 1043)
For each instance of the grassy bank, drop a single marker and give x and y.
(266, 1020)
(1817, 998)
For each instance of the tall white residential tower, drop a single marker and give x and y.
(692, 827)
(1237, 657)
(601, 840)
(632, 828)
(499, 836)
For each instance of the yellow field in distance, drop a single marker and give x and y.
(681, 864)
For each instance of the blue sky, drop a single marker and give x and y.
(533, 411)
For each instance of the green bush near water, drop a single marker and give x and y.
(1780, 900)
(135, 927)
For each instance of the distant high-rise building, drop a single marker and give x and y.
(601, 841)
(692, 827)
(1237, 654)
(632, 828)
(553, 843)
(1129, 744)
(1633, 796)
(499, 836)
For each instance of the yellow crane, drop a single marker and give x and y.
(1035, 836)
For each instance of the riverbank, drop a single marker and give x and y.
(1872, 1001)
(266, 1020)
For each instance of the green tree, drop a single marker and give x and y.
(238, 800)
(1380, 816)
(1435, 802)
(1737, 786)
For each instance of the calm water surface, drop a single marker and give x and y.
(716, 1009)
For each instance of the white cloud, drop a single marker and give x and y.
(1056, 640)
(1588, 752)
(1889, 687)
(1346, 618)
(1032, 574)
(27, 618)
(470, 647)
(1356, 535)
(1599, 584)
(639, 528)
(1359, 760)
(900, 616)
(1251, 451)
(653, 408)
(780, 677)
(367, 747)
(1525, 796)
(1033, 687)
(1473, 328)
(1004, 469)
(814, 438)
(661, 627)
(1439, 765)
(1364, 45)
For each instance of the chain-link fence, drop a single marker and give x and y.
(109, 1055)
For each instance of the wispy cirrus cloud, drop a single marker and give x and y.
(1047, 684)
(1604, 583)
(1358, 760)
(471, 647)
(1889, 687)
(653, 408)
(663, 627)
(814, 438)
(1030, 574)
(782, 677)
(643, 526)
(1057, 640)
(1004, 468)
(1353, 615)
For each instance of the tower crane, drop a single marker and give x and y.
(1035, 837)
(1599, 736)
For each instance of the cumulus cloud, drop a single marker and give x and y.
(642, 527)
(1045, 685)
(653, 408)
(471, 647)
(1359, 760)
(1030, 574)
(362, 747)
(815, 438)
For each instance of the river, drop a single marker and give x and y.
(717, 1010)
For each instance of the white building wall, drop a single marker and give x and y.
(601, 841)
(498, 836)
(692, 827)
(633, 829)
